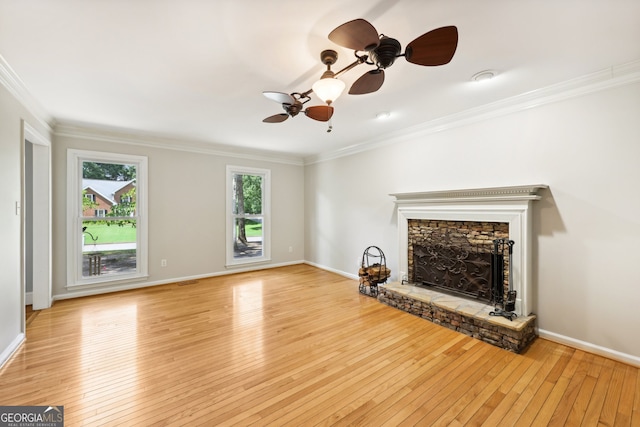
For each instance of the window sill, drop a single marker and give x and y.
(102, 281)
(247, 263)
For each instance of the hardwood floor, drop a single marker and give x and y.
(296, 346)
(30, 314)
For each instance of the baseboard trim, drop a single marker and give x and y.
(139, 285)
(28, 298)
(11, 349)
(591, 348)
(332, 270)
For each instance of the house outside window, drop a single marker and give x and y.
(107, 217)
(248, 215)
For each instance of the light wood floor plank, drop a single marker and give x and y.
(594, 410)
(612, 400)
(576, 378)
(511, 371)
(295, 346)
(635, 413)
(343, 401)
(533, 389)
(442, 383)
(474, 395)
(395, 391)
(580, 405)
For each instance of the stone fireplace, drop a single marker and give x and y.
(445, 241)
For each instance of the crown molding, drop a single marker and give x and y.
(14, 84)
(146, 139)
(33, 136)
(611, 77)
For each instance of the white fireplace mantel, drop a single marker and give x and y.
(500, 204)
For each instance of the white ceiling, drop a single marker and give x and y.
(196, 69)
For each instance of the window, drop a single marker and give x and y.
(248, 223)
(106, 235)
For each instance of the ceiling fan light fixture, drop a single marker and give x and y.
(328, 88)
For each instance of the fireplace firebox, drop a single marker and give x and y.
(454, 256)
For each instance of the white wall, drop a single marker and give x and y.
(11, 296)
(586, 256)
(186, 210)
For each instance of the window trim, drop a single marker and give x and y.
(266, 215)
(75, 158)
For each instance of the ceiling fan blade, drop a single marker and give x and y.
(357, 35)
(279, 97)
(276, 118)
(433, 48)
(321, 113)
(369, 82)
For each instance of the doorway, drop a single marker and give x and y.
(36, 219)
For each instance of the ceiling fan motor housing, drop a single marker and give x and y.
(293, 109)
(386, 53)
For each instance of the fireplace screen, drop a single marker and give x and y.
(454, 256)
(453, 269)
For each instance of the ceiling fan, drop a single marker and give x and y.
(293, 104)
(433, 48)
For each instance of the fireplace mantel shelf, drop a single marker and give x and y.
(513, 193)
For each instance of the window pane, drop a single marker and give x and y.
(107, 225)
(108, 247)
(247, 238)
(247, 194)
(105, 186)
(248, 223)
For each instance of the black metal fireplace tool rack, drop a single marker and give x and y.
(373, 271)
(505, 307)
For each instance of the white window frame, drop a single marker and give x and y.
(90, 196)
(266, 215)
(101, 213)
(75, 159)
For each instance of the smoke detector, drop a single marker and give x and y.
(484, 75)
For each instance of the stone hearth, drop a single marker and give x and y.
(459, 314)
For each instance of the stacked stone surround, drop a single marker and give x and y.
(462, 315)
